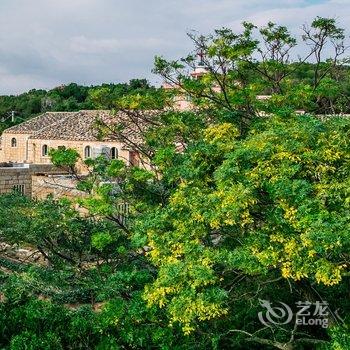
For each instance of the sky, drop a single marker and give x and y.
(46, 43)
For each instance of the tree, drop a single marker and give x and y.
(79, 288)
(247, 207)
(65, 158)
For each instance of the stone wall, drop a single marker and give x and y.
(20, 177)
(35, 148)
(31, 150)
(16, 178)
(36, 156)
(17, 154)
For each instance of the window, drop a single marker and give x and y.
(114, 153)
(123, 213)
(19, 189)
(45, 150)
(87, 152)
(13, 142)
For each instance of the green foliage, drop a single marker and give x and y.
(64, 157)
(101, 239)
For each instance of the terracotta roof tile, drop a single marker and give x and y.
(80, 126)
(84, 126)
(38, 123)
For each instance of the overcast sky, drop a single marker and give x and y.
(45, 43)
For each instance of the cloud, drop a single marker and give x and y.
(83, 45)
(44, 43)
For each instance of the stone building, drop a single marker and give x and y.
(31, 141)
(25, 163)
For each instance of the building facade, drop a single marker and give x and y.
(25, 164)
(31, 141)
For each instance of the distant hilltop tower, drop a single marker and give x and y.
(183, 101)
(201, 68)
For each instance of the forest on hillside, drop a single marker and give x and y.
(237, 233)
(71, 97)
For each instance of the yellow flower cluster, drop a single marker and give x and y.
(329, 274)
(289, 211)
(331, 155)
(200, 309)
(287, 155)
(158, 295)
(221, 135)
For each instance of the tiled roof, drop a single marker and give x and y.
(80, 126)
(84, 126)
(35, 124)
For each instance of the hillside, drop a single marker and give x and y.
(71, 97)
